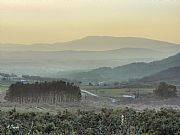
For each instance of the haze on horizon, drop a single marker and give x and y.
(49, 21)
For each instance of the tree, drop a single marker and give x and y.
(90, 84)
(43, 92)
(165, 90)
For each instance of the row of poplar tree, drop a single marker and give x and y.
(43, 92)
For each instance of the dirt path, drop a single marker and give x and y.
(89, 93)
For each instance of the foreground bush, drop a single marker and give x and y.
(106, 122)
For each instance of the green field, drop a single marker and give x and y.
(3, 87)
(115, 92)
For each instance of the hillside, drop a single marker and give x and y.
(171, 75)
(126, 72)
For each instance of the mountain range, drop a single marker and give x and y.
(82, 54)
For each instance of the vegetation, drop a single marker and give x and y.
(43, 92)
(106, 122)
(165, 91)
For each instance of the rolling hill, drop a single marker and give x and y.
(171, 75)
(126, 72)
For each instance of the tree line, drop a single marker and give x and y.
(165, 90)
(43, 92)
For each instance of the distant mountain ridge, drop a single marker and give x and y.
(94, 43)
(126, 72)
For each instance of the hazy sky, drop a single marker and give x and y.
(31, 21)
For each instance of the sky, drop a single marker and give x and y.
(49, 21)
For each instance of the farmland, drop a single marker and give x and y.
(106, 97)
(119, 91)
